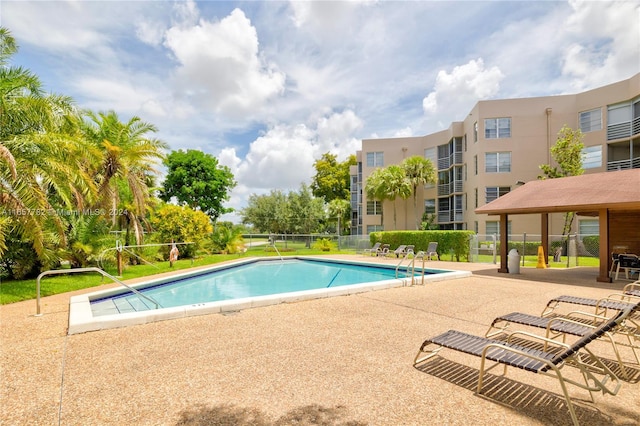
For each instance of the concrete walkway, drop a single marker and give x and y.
(340, 361)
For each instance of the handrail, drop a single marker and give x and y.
(273, 244)
(411, 265)
(91, 269)
(402, 260)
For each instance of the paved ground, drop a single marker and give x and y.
(340, 361)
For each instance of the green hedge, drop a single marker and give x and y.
(448, 241)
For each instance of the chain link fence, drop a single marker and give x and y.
(563, 250)
(284, 242)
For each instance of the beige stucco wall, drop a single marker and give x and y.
(535, 123)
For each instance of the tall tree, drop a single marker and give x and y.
(341, 209)
(375, 190)
(199, 181)
(332, 179)
(396, 185)
(307, 212)
(267, 212)
(127, 157)
(39, 146)
(567, 153)
(420, 171)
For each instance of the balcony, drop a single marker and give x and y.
(632, 163)
(450, 188)
(446, 162)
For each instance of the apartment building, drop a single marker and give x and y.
(499, 145)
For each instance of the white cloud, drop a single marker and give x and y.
(221, 67)
(456, 92)
(150, 32)
(606, 45)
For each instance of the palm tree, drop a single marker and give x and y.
(38, 146)
(396, 185)
(127, 160)
(341, 209)
(388, 183)
(375, 190)
(419, 171)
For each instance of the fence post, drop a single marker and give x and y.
(495, 248)
(524, 246)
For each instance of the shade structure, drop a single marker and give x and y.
(598, 194)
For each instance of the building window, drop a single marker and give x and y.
(475, 165)
(493, 227)
(619, 118)
(475, 132)
(374, 228)
(430, 206)
(494, 192)
(589, 227)
(375, 159)
(374, 207)
(590, 121)
(495, 128)
(497, 162)
(592, 157)
(476, 202)
(475, 226)
(431, 154)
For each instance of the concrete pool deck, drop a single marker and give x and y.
(345, 360)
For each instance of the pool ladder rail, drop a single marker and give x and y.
(78, 270)
(411, 266)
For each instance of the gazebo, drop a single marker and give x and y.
(613, 197)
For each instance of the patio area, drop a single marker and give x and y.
(345, 360)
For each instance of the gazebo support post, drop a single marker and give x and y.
(544, 234)
(504, 243)
(604, 252)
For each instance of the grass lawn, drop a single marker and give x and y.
(532, 261)
(18, 290)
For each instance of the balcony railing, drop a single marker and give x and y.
(450, 188)
(446, 162)
(448, 216)
(632, 163)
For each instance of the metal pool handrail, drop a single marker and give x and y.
(91, 269)
(412, 265)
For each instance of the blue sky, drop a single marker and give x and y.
(268, 87)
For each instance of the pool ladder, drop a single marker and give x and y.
(412, 265)
(92, 269)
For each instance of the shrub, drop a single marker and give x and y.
(324, 244)
(181, 224)
(448, 241)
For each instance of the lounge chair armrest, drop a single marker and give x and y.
(536, 336)
(577, 315)
(554, 320)
(619, 297)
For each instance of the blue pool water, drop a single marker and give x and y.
(250, 280)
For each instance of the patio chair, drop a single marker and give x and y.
(577, 324)
(547, 361)
(613, 302)
(629, 262)
(432, 250)
(372, 251)
(632, 289)
(384, 250)
(400, 250)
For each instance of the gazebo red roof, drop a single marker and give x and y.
(616, 191)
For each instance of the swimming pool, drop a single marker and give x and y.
(234, 286)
